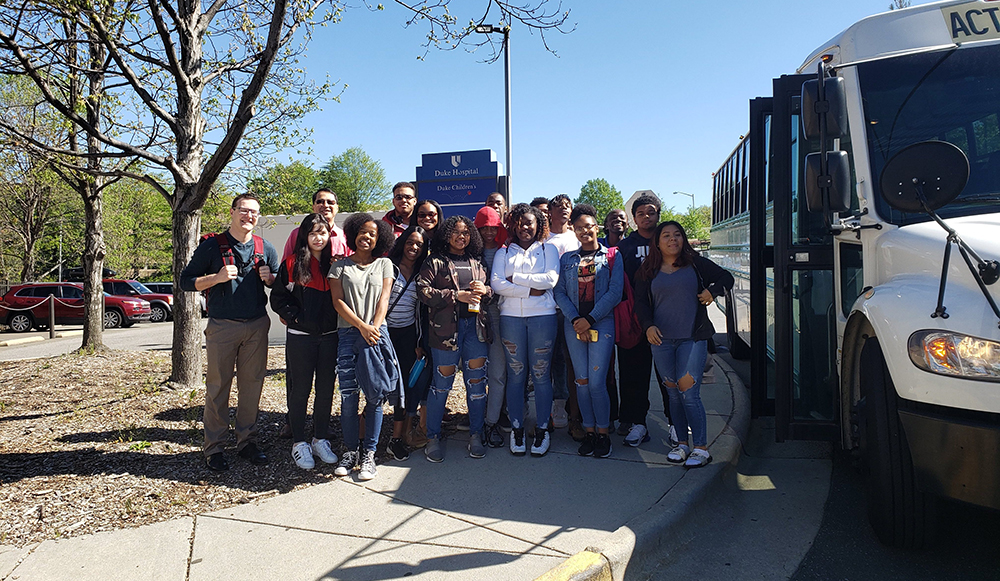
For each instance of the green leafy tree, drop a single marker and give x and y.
(357, 179)
(285, 189)
(603, 196)
(697, 222)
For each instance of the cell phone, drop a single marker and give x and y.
(593, 335)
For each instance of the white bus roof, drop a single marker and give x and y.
(913, 29)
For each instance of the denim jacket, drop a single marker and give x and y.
(608, 285)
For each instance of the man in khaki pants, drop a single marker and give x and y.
(234, 266)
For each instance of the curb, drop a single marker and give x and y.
(13, 342)
(646, 539)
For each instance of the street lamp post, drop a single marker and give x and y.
(688, 195)
(505, 29)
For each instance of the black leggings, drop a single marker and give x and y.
(404, 341)
(307, 356)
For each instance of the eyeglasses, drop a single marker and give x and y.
(463, 233)
(325, 202)
(585, 227)
(401, 198)
(427, 214)
(249, 212)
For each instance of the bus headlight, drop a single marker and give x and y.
(955, 354)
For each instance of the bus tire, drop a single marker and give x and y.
(901, 515)
(737, 346)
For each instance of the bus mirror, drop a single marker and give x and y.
(924, 176)
(839, 171)
(833, 106)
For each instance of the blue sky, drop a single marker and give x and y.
(645, 94)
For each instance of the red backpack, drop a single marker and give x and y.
(628, 332)
(229, 257)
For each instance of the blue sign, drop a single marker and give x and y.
(460, 181)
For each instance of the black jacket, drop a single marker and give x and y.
(711, 276)
(306, 308)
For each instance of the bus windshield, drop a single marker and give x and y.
(949, 95)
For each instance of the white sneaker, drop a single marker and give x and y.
(560, 419)
(303, 455)
(678, 454)
(698, 458)
(637, 435)
(322, 450)
(540, 445)
(368, 469)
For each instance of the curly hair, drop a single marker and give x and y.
(514, 219)
(651, 265)
(383, 241)
(301, 273)
(646, 200)
(582, 210)
(444, 232)
(396, 253)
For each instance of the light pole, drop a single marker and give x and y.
(505, 29)
(690, 196)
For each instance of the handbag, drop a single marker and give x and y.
(628, 332)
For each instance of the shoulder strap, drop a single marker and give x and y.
(228, 258)
(612, 253)
(258, 249)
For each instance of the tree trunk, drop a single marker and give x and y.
(93, 267)
(186, 355)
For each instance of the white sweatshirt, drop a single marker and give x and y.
(537, 267)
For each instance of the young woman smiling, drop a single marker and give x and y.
(524, 274)
(674, 285)
(360, 286)
(405, 328)
(301, 297)
(588, 290)
(453, 283)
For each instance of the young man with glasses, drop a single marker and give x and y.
(404, 200)
(235, 274)
(324, 204)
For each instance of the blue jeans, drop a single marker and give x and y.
(590, 362)
(523, 337)
(349, 396)
(469, 349)
(675, 359)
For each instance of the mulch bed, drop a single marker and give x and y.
(98, 442)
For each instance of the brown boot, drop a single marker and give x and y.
(416, 437)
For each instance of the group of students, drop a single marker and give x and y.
(502, 296)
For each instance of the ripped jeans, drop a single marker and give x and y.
(590, 364)
(528, 343)
(469, 349)
(676, 359)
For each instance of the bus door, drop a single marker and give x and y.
(760, 207)
(806, 384)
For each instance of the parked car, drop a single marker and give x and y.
(162, 304)
(168, 289)
(25, 306)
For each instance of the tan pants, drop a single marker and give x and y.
(233, 348)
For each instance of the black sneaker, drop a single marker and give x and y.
(587, 447)
(517, 447)
(493, 436)
(551, 426)
(504, 422)
(623, 428)
(602, 448)
(398, 448)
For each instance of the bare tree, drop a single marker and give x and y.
(197, 85)
(899, 4)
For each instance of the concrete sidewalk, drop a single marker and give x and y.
(503, 517)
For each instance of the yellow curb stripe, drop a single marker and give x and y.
(583, 565)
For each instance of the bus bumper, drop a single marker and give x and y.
(955, 457)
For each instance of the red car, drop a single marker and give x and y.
(162, 304)
(26, 306)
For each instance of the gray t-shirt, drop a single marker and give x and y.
(675, 302)
(362, 286)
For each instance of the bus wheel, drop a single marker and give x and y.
(737, 347)
(901, 515)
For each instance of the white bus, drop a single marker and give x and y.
(862, 224)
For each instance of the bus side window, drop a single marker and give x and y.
(851, 276)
